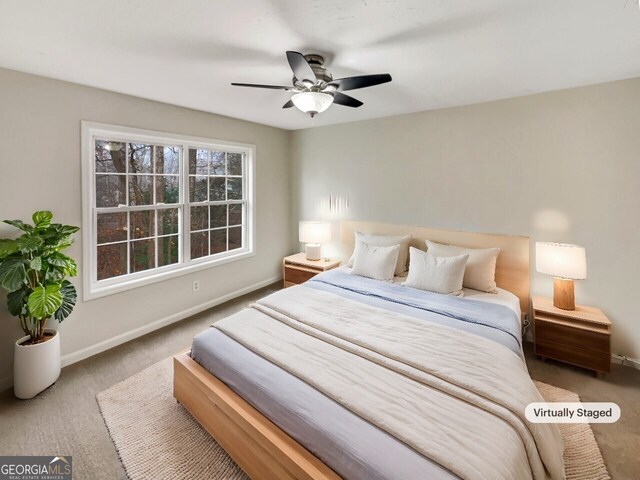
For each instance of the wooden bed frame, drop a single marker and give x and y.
(257, 445)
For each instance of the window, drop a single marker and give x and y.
(216, 201)
(159, 205)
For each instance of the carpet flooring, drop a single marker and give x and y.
(157, 438)
(65, 419)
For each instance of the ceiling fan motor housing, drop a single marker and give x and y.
(316, 62)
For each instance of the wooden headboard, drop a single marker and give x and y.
(512, 268)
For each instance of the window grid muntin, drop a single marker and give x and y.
(183, 213)
(130, 239)
(128, 209)
(208, 202)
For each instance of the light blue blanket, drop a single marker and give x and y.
(494, 322)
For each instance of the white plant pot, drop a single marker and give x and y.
(35, 367)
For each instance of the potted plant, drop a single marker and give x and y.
(34, 272)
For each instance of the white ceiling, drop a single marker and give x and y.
(440, 53)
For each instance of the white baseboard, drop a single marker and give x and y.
(100, 347)
(91, 350)
(627, 362)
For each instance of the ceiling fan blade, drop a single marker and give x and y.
(346, 100)
(289, 104)
(300, 67)
(361, 81)
(272, 87)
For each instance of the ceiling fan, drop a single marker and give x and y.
(314, 89)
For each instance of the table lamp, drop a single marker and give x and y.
(313, 234)
(565, 263)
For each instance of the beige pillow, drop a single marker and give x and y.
(375, 262)
(480, 273)
(385, 241)
(436, 274)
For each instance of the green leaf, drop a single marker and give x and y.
(59, 244)
(20, 225)
(65, 230)
(36, 263)
(67, 264)
(58, 259)
(44, 301)
(42, 219)
(72, 269)
(69, 296)
(54, 275)
(7, 247)
(28, 244)
(13, 273)
(17, 302)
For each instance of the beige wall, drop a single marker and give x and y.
(561, 166)
(40, 169)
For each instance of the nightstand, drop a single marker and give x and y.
(297, 269)
(581, 337)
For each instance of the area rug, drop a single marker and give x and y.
(157, 438)
(582, 456)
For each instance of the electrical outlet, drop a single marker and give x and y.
(196, 285)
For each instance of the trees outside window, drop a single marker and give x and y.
(161, 205)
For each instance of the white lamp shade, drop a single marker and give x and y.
(561, 260)
(314, 232)
(312, 102)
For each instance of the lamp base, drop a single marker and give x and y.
(313, 251)
(563, 295)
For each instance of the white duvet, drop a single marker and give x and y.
(456, 398)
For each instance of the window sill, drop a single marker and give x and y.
(96, 290)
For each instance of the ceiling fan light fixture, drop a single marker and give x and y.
(312, 102)
(314, 88)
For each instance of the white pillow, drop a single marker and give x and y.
(375, 262)
(436, 274)
(385, 241)
(480, 273)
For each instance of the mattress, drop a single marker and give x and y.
(350, 445)
(501, 297)
(492, 316)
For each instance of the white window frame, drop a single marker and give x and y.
(92, 131)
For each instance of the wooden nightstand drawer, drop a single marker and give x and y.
(591, 339)
(297, 275)
(581, 357)
(581, 337)
(297, 269)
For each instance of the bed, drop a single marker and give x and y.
(309, 383)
